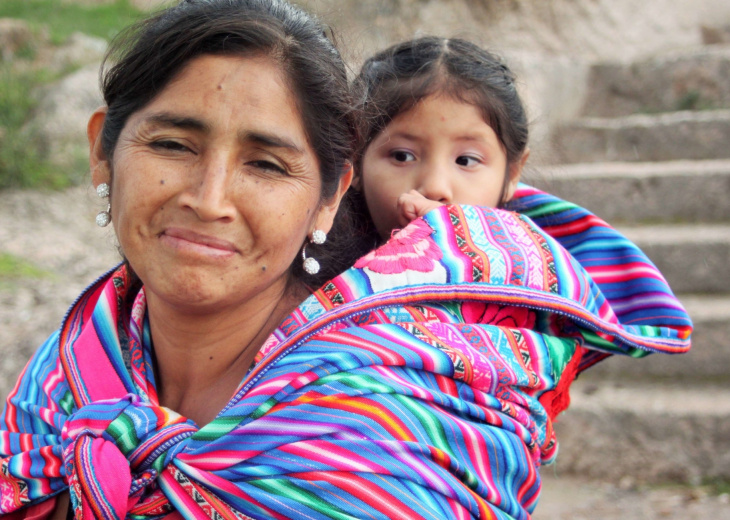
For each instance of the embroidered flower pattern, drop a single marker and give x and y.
(410, 248)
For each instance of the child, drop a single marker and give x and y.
(552, 287)
(443, 124)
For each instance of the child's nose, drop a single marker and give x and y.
(434, 184)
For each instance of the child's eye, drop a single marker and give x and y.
(267, 166)
(467, 160)
(402, 156)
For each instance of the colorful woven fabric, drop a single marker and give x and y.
(419, 384)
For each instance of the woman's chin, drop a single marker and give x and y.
(193, 286)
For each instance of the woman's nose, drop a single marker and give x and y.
(434, 184)
(209, 194)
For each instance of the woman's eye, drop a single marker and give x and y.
(467, 160)
(268, 166)
(170, 145)
(402, 156)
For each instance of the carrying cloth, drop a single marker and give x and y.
(422, 383)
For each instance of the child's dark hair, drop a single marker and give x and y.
(394, 80)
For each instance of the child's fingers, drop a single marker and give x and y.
(412, 205)
(407, 210)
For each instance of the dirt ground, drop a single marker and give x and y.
(56, 233)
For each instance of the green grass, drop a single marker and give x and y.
(693, 100)
(20, 165)
(62, 19)
(12, 267)
(719, 486)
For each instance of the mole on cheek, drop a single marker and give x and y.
(263, 268)
(162, 181)
(220, 87)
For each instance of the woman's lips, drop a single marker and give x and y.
(185, 239)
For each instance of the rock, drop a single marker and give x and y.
(80, 49)
(55, 232)
(15, 35)
(713, 35)
(59, 125)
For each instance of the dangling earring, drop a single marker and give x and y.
(311, 266)
(103, 217)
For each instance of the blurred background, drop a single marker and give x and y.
(630, 110)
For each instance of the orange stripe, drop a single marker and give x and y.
(376, 412)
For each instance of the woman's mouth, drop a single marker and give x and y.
(185, 240)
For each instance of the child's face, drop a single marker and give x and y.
(441, 148)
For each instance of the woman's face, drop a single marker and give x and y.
(214, 185)
(443, 149)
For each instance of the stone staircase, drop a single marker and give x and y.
(651, 154)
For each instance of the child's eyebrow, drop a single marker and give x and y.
(472, 137)
(405, 135)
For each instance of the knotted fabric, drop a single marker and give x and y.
(113, 449)
(421, 384)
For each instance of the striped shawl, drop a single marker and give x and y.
(420, 384)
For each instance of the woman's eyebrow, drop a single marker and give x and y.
(165, 119)
(270, 140)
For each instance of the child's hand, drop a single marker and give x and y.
(412, 205)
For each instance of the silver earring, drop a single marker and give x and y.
(311, 266)
(103, 217)
(319, 237)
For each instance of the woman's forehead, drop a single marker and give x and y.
(213, 93)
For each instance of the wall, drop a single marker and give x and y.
(549, 43)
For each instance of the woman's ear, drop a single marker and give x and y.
(356, 183)
(98, 161)
(328, 210)
(515, 172)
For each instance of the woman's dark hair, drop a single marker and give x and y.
(144, 59)
(392, 81)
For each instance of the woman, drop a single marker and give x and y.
(223, 148)
(419, 384)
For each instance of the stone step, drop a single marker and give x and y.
(697, 78)
(708, 362)
(694, 258)
(687, 135)
(572, 497)
(634, 192)
(652, 433)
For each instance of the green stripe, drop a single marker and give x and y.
(549, 208)
(360, 383)
(437, 435)
(560, 352)
(124, 434)
(67, 402)
(217, 428)
(287, 489)
(429, 423)
(595, 340)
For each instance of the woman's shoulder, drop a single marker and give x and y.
(40, 386)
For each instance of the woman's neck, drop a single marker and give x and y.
(202, 358)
